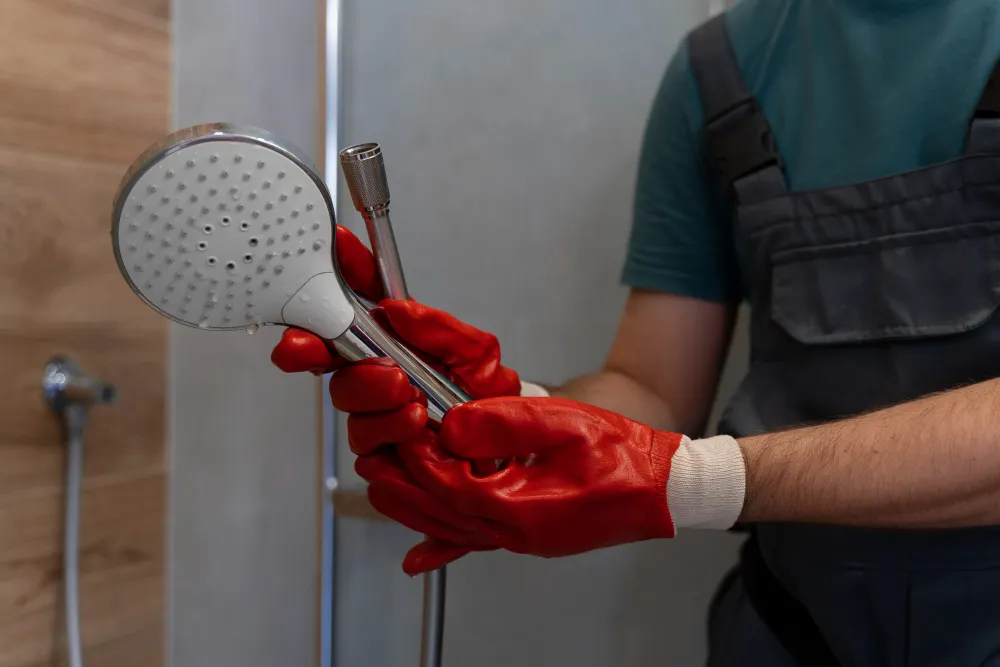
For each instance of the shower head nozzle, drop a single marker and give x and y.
(223, 227)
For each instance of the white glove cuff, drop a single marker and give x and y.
(532, 389)
(707, 484)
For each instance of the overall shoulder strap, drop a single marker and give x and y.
(984, 128)
(739, 138)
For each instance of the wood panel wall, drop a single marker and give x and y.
(84, 88)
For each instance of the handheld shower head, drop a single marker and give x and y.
(223, 227)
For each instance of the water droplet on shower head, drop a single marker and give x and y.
(252, 330)
(304, 298)
(203, 324)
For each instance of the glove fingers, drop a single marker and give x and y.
(357, 265)
(299, 351)
(400, 493)
(371, 385)
(433, 554)
(447, 478)
(368, 432)
(401, 509)
(471, 354)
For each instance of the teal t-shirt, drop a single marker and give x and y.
(853, 89)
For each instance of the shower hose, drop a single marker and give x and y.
(76, 416)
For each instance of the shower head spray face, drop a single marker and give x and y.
(222, 228)
(225, 228)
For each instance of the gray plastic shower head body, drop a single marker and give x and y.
(224, 227)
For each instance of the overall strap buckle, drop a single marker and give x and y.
(741, 141)
(738, 137)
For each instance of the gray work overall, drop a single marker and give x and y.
(862, 296)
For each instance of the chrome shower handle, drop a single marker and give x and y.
(365, 339)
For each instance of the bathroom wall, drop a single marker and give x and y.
(84, 88)
(245, 495)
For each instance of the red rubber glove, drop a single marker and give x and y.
(586, 479)
(382, 406)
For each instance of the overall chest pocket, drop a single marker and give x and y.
(904, 286)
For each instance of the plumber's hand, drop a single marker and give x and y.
(383, 407)
(578, 478)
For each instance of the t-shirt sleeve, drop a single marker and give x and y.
(681, 241)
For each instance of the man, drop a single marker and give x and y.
(837, 164)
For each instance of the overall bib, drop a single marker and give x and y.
(863, 296)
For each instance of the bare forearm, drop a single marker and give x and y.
(619, 393)
(934, 462)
